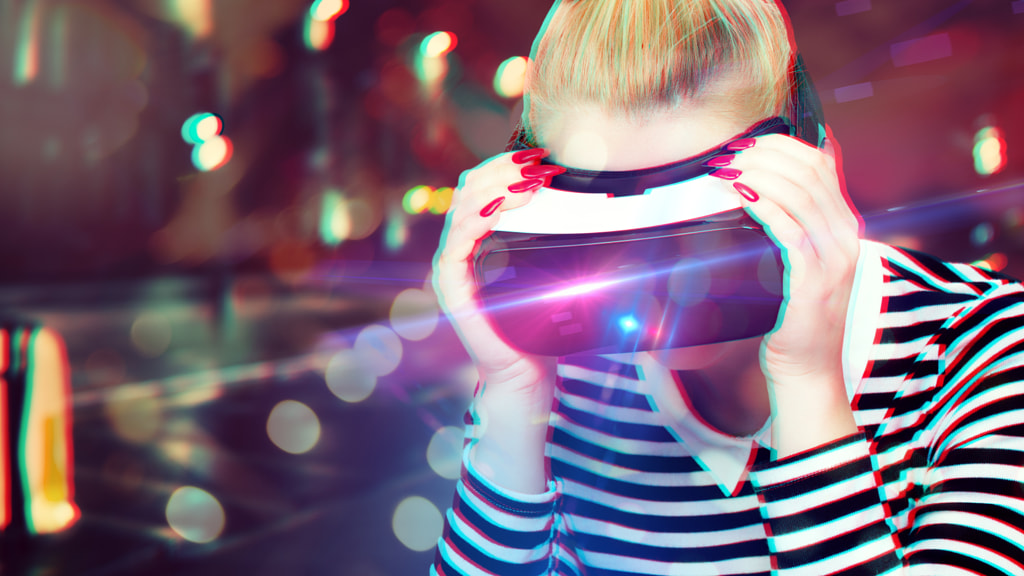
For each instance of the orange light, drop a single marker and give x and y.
(441, 200)
(328, 10)
(438, 44)
(989, 151)
(510, 78)
(319, 34)
(212, 154)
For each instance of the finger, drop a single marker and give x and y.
(803, 163)
(794, 181)
(801, 223)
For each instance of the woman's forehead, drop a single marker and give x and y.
(592, 139)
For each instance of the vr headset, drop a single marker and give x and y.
(625, 261)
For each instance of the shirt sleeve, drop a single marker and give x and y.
(823, 508)
(969, 518)
(824, 512)
(491, 530)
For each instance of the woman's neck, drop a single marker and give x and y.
(725, 387)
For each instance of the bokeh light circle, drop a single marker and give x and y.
(444, 453)
(212, 153)
(135, 413)
(441, 200)
(195, 514)
(348, 377)
(438, 44)
(327, 10)
(319, 34)
(417, 523)
(151, 334)
(418, 199)
(380, 348)
(293, 427)
(208, 127)
(982, 234)
(510, 77)
(200, 127)
(414, 314)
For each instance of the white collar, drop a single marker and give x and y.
(727, 458)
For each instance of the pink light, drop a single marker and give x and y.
(579, 289)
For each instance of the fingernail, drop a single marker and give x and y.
(746, 192)
(726, 173)
(720, 161)
(741, 144)
(492, 206)
(525, 186)
(541, 171)
(524, 156)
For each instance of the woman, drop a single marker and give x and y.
(875, 430)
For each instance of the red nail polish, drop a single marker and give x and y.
(525, 186)
(524, 156)
(719, 161)
(541, 171)
(741, 144)
(726, 173)
(746, 191)
(492, 206)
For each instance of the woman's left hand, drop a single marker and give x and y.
(796, 192)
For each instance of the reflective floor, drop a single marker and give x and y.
(253, 428)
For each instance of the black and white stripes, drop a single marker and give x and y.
(934, 484)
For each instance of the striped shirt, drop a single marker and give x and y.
(931, 484)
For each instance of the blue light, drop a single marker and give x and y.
(628, 323)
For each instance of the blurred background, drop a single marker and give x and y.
(226, 209)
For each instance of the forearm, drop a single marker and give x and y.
(510, 449)
(808, 416)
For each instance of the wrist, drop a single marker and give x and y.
(805, 417)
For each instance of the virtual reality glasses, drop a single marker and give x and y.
(607, 262)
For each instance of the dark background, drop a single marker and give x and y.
(193, 302)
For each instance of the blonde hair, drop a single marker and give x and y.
(637, 57)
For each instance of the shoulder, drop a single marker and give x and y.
(932, 273)
(920, 286)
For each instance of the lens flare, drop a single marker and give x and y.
(579, 289)
(628, 323)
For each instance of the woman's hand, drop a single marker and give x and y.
(501, 183)
(515, 403)
(796, 192)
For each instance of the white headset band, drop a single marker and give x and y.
(560, 212)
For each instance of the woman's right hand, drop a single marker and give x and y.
(514, 403)
(504, 182)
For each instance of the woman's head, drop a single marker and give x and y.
(642, 60)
